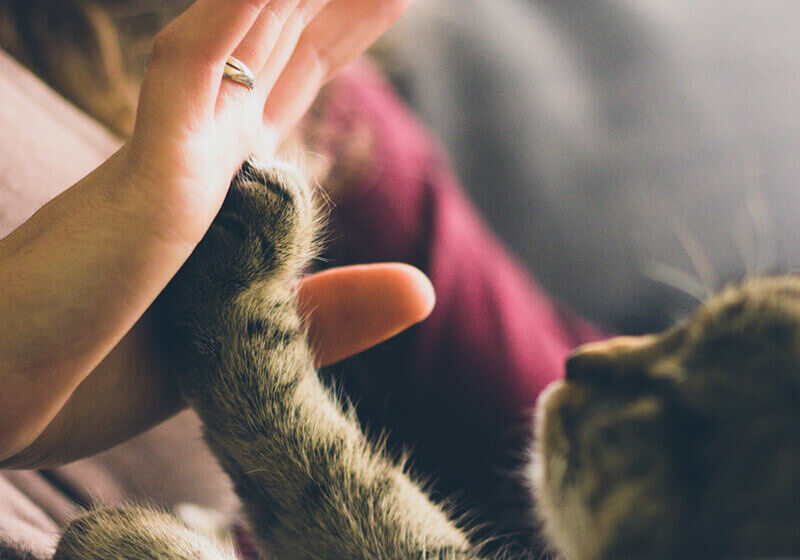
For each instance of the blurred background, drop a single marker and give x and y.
(633, 153)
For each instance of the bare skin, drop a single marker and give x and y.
(79, 276)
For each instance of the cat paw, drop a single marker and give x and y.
(261, 238)
(265, 229)
(136, 534)
(267, 221)
(264, 233)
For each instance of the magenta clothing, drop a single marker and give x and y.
(458, 388)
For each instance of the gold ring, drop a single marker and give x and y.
(237, 71)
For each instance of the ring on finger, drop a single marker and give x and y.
(237, 71)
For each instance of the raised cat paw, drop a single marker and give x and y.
(264, 231)
(262, 237)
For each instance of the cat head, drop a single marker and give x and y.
(683, 444)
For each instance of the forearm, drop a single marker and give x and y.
(76, 277)
(129, 392)
(194, 128)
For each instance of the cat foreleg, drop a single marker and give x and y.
(312, 485)
(136, 534)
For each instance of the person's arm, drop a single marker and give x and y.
(78, 275)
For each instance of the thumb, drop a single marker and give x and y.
(350, 309)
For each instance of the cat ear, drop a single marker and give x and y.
(623, 359)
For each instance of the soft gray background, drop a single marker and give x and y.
(611, 143)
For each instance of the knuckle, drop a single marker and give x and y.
(321, 58)
(271, 22)
(254, 4)
(305, 11)
(276, 15)
(251, 7)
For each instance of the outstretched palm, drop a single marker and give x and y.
(195, 129)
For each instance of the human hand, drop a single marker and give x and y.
(194, 128)
(79, 274)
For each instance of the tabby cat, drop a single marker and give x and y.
(685, 444)
(682, 445)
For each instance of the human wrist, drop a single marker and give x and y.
(162, 203)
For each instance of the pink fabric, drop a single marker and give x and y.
(460, 387)
(493, 329)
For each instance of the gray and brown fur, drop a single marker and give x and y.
(685, 444)
(680, 445)
(311, 484)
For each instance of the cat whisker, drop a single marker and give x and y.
(678, 279)
(746, 245)
(764, 240)
(765, 244)
(700, 261)
(326, 202)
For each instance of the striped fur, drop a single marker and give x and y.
(313, 487)
(681, 445)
